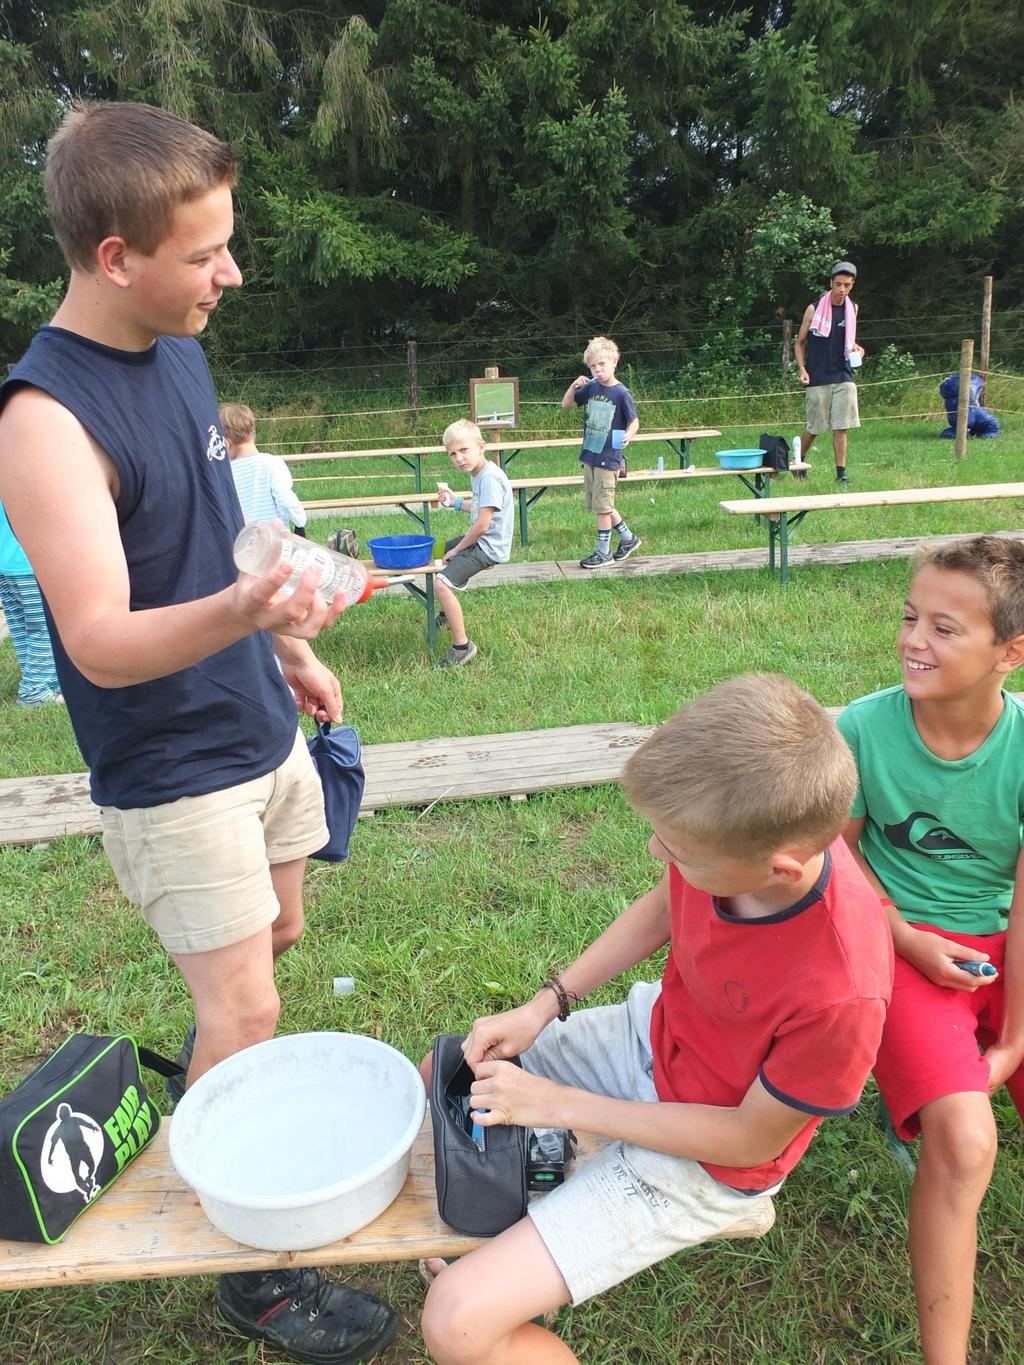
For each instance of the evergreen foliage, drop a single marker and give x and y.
(421, 168)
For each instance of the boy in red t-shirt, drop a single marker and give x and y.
(710, 1083)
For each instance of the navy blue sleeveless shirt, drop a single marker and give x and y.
(231, 717)
(826, 356)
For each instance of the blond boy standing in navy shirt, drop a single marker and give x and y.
(609, 424)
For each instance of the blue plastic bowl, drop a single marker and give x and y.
(401, 552)
(740, 459)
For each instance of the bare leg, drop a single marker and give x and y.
(287, 882)
(806, 441)
(233, 993)
(958, 1149)
(839, 447)
(234, 997)
(452, 608)
(478, 1310)
(604, 521)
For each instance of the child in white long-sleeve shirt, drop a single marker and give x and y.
(263, 482)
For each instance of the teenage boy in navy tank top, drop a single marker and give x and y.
(826, 347)
(115, 475)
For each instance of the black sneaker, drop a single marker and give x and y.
(306, 1315)
(596, 561)
(626, 548)
(176, 1084)
(842, 476)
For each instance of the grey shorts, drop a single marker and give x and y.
(832, 407)
(628, 1207)
(458, 571)
(599, 489)
(199, 867)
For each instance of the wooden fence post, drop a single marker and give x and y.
(490, 435)
(963, 402)
(414, 383)
(787, 349)
(986, 332)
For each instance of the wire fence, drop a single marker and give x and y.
(318, 397)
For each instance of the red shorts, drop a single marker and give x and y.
(932, 1036)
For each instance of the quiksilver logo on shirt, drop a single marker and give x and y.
(922, 833)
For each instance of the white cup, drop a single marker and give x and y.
(444, 494)
(854, 360)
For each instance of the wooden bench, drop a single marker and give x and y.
(405, 773)
(528, 490)
(788, 512)
(678, 442)
(151, 1224)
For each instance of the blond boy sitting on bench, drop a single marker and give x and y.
(487, 542)
(711, 1082)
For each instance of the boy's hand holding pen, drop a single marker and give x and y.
(984, 970)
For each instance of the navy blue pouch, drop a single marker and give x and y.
(337, 756)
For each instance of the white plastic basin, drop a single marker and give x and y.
(298, 1141)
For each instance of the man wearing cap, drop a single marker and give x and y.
(827, 354)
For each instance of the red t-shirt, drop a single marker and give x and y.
(796, 998)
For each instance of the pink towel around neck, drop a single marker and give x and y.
(821, 322)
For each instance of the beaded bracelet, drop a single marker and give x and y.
(566, 999)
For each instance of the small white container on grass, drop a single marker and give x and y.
(300, 1140)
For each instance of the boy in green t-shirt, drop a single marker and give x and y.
(937, 827)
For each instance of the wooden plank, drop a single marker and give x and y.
(894, 497)
(372, 500)
(547, 443)
(151, 1224)
(410, 773)
(651, 476)
(540, 481)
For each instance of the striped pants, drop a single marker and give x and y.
(22, 606)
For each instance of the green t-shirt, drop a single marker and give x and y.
(942, 836)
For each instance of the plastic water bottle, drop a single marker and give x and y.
(796, 449)
(661, 464)
(260, 548)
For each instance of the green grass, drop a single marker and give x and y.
(445, 914)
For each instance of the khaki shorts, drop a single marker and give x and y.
(832, 407)
(200, 867)
(599, 489)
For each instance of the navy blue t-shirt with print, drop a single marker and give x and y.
(608, 408)
(231, 717)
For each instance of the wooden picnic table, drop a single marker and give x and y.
(678, 441)
(785, 514)
(529, 490)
